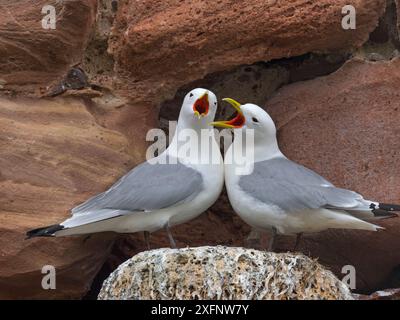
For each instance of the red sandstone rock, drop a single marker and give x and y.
(31, 58)
(160, 46)
(53, 156)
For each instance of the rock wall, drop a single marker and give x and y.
(53, 156)
(159, 47)
(31, 58)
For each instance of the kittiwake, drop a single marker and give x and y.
(173, 188)
(281, 195)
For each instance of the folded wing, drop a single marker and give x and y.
(293, 187)
(147, 187)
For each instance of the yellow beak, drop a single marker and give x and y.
(236, 122)
(221, 124)
(197, 114)
(233, 103)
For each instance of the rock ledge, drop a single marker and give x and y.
(221, 273)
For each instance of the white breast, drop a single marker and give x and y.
(212, 172)
(254, 212)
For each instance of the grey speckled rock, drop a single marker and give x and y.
(221, 273)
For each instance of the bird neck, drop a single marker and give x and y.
(266, 149)
(254, 147)
(194, 142)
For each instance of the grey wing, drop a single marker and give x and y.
(293, 187)
(284, 169)
(148, 187)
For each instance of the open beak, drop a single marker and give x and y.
(237, 121)
(201, 106)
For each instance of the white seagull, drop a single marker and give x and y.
(282, 196)
(173, 188)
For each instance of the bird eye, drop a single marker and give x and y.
(191, 95)
(215, 103)
(254, 119)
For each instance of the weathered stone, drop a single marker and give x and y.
(221, 273)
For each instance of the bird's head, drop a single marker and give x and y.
(249, 116)
(199, 106)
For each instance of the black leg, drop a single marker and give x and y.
(170, 237)
(272, 240)
(253, 239)
(147, 239)
(298, 237)
(87, 238)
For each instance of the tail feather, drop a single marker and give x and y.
(44, 232)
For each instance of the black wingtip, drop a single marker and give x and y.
(389, 207)
(44, 232)
(384, 210)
